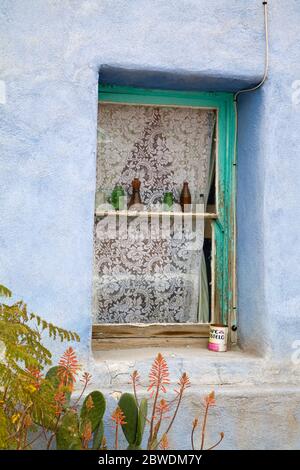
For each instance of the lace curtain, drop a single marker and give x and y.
(145, 278)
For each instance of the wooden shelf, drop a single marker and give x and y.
(204, 215)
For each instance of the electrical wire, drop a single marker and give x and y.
(235, 98)
(265, 75)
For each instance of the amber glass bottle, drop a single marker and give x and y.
(185, 197)
(136, 196)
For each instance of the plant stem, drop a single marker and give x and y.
(153, 416)
(134, 392)
(117, 436)
(25, 438)
(80, 396)
(215, 445)
(6, 391)
(192, 437)
(204, 426)
(19, 438)
(35, 439)
(174, 416)
(54, 432)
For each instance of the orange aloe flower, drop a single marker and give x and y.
(90, 403)
(37, 377)
(195, 424)
(159, 375)
(86, 378)
(184, 383)
(135, 381)
(68, 368)
(59, 402)
(164, 443)
(209, 400)
(135, 377)
(119, 418)
(87, 434)
(162, 407)
(158, 379)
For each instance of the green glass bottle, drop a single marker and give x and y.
(168, 199)
(117, 197)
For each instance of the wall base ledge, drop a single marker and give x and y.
(205, 368)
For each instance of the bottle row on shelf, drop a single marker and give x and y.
(117, 200)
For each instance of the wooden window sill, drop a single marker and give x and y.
(128, 336)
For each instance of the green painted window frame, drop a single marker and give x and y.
(223, 103)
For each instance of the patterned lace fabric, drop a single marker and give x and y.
(142, 278)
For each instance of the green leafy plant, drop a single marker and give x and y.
(73, 426)
(35, 405)
(24, 394)
(163, 412)
(134, 415)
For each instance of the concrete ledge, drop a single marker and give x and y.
(204, 367)
(251, 417)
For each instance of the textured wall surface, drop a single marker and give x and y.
(269, 197)
(51, 54)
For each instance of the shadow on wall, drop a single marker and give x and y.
(178, 80)
(250, 222)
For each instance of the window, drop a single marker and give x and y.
(162, 272)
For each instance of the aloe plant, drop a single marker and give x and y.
(72, 429)
(142, 418)
(135, 420)
(68, 435)
(98, 436)
(93, 409)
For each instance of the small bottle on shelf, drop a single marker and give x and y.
(100, 198)
(168, 200)
(117, 197)
(135, 202)
(202, 202)
(185, 198)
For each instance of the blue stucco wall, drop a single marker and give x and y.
(268, 212)
(52, 54)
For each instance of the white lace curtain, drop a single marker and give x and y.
(148, 279)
